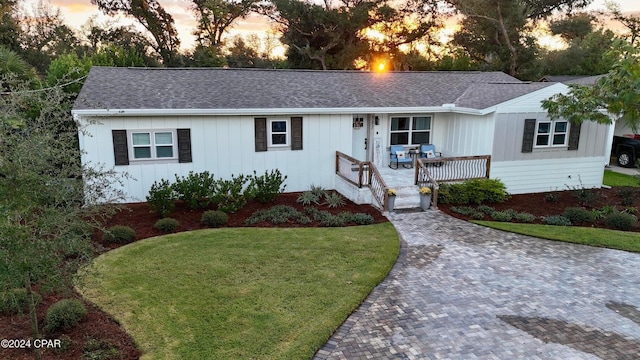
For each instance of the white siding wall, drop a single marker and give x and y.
(463, 135)
(542, 175)
(224, 145)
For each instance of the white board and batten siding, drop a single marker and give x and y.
(463, 134)
(224, 146)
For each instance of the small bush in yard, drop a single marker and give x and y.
(463, 210)
(268, 186)
(578, 215)
(334, 200)
(621, 221)
(16, 301)
(162, 198)
(486, 209)
(558, 220)
(119, 234)
(214, 218)
(362, 219)
(476, 191)
(167, 225)
(195, 189)
(232, 195)
(627, 195)
(524, 217)
(551, 197)
(505, 216)
(100, 349)
(64, 314)
(307, 198)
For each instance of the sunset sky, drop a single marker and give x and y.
(77, 12)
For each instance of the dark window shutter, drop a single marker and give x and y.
(261, 134)
(296, 133)
(120, 147)
(574, 136)
(527, 137)
(184, 145)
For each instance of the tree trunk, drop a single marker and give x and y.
(513, 58)
(32, 314)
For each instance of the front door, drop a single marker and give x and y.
(360, 145)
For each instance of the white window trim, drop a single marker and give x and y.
(411, 119)
(154, 157)
(270, 133)
(552, 128)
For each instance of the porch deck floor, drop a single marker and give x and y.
(402, 177)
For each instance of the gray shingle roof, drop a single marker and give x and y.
(209, 88)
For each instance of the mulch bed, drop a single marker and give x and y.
(537, 204)
(99, 325)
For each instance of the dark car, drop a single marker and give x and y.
(626, 149)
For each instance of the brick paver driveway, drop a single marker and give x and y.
(461, 291)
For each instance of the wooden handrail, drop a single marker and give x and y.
(372, 179)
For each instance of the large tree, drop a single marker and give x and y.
(48, 201)
(152, 16)
(497, 32)
(615, 94)
(587, 47)
(323, 36)
(215, 17)
(9, 28)
(45, 36)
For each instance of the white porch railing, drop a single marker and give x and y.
(362, 173)
(448, 169)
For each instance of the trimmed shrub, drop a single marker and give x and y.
(232, 195)
(279, 214)
(524, 217)
(478, 215)
(119, 234)
(505, 216)
(463, 210)
(621, 221)
(476, 191)
(162, 198)
(64, 314)
(486, 209)
(334, 200)
(16, 301)
(195, 189)
(558, 220)
(268, 186)
(578, 215)
(214, 218)
(362, 219)
(167, 225)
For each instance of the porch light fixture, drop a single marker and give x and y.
(376, 120)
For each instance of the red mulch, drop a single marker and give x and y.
(99, 325)
(537, 205)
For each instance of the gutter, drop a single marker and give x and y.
(446, 108)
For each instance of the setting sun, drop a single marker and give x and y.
(381, 66)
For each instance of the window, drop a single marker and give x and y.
(151, 145)
(160, 145)
(551, 133)
(278, 133)
(406, 130)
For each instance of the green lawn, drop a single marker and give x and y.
(242, 293)
(612, 178)
(612, 239)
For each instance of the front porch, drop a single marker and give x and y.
(363, 175)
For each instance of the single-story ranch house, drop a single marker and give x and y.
(155, 123)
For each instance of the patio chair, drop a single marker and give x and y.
(399, 156)
(428, 151)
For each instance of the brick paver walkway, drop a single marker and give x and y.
(461, 291)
